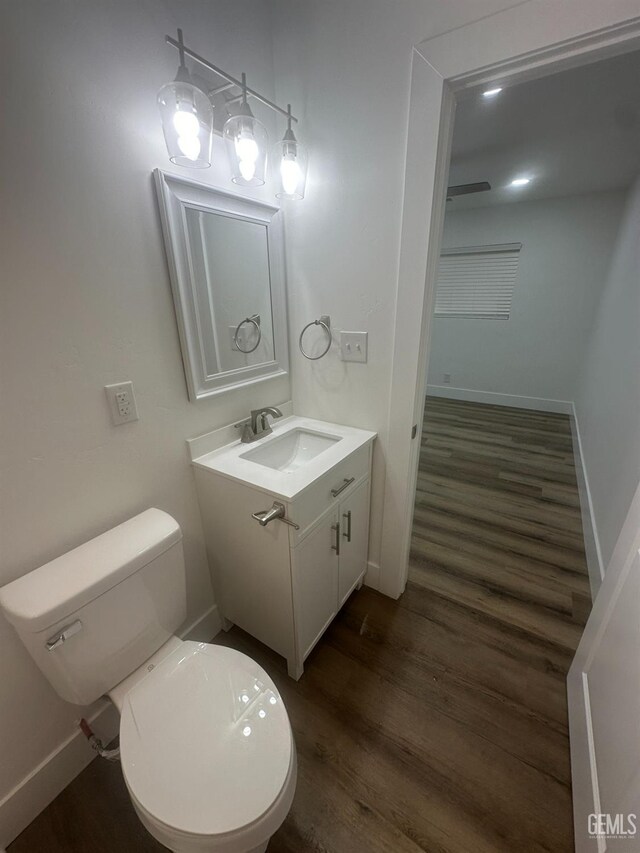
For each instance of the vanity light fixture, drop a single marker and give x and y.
(246, 140)
(520, 182)
(187, 118)
(491, 93)
(290, 157)
(187, 121)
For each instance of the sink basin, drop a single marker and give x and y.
(291, 451)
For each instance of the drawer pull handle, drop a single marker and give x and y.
(336, 492)
(336, 547)
(347, 515)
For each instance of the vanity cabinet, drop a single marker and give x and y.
(284, 584)
(328, 564)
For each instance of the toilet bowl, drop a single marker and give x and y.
(206, 747)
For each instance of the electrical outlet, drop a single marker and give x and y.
(122, 402)
(446, 378)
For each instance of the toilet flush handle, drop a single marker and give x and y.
(63, 636)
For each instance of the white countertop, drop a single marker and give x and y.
(227, 460)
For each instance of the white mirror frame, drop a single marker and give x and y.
(174, 193)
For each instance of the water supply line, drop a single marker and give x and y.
(96, 744)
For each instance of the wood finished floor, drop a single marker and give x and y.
(497, 522)
(437, 722)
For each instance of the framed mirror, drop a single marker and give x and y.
(227, 277)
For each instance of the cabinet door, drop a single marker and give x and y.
(354, 535)
(315, 582)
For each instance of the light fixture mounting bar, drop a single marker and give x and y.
(184, 50)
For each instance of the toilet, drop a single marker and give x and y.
(206, 746)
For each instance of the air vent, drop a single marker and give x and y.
(467, 189)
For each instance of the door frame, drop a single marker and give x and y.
(533, 39)
(584, 768)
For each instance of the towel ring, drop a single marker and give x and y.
(255, 320)
(325, 322)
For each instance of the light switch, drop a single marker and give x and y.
(353, 346)
(122, 402)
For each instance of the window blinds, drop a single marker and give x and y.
(477, 281)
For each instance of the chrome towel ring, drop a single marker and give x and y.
(325, 322)
(255, 320)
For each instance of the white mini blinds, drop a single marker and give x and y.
(477, 281)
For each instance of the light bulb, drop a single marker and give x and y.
(248, 153)
(290, 174)
(186, 123)
(247, 169)
(247, 148)
(190, 146)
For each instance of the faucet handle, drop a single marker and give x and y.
(247, 432)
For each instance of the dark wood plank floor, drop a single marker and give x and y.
(437, 722)
(497, 521)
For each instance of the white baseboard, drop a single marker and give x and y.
(590, 531)
(205, 627)
(34, 793)
(372, 576)
(51, 776)
(516, 401)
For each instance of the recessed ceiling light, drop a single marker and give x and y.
(491, 92)
(520, 182)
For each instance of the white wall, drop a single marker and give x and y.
(346, 67)
(607, 399)
(85, 300)
(566, 249)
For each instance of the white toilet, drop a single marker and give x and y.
(206, 746)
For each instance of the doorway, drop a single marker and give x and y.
(539, 177)
(531, 363)
(510, 47)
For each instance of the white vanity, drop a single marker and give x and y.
(284, 581)
(285, 514)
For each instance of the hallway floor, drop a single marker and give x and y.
(497, 523)
(437, 722)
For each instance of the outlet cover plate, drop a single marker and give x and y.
(353, 346)
(122, 402)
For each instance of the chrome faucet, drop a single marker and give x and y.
(257, 426)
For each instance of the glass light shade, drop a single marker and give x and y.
(290, 165)
(187, 123)
(246, 142)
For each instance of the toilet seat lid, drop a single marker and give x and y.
(205, 740)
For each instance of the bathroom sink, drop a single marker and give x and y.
(298, 452)
(291, 451)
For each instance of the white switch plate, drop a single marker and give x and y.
(122, 402)
(353, 346)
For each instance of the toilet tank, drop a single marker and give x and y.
(92, 616)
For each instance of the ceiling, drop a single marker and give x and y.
(574, 132)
